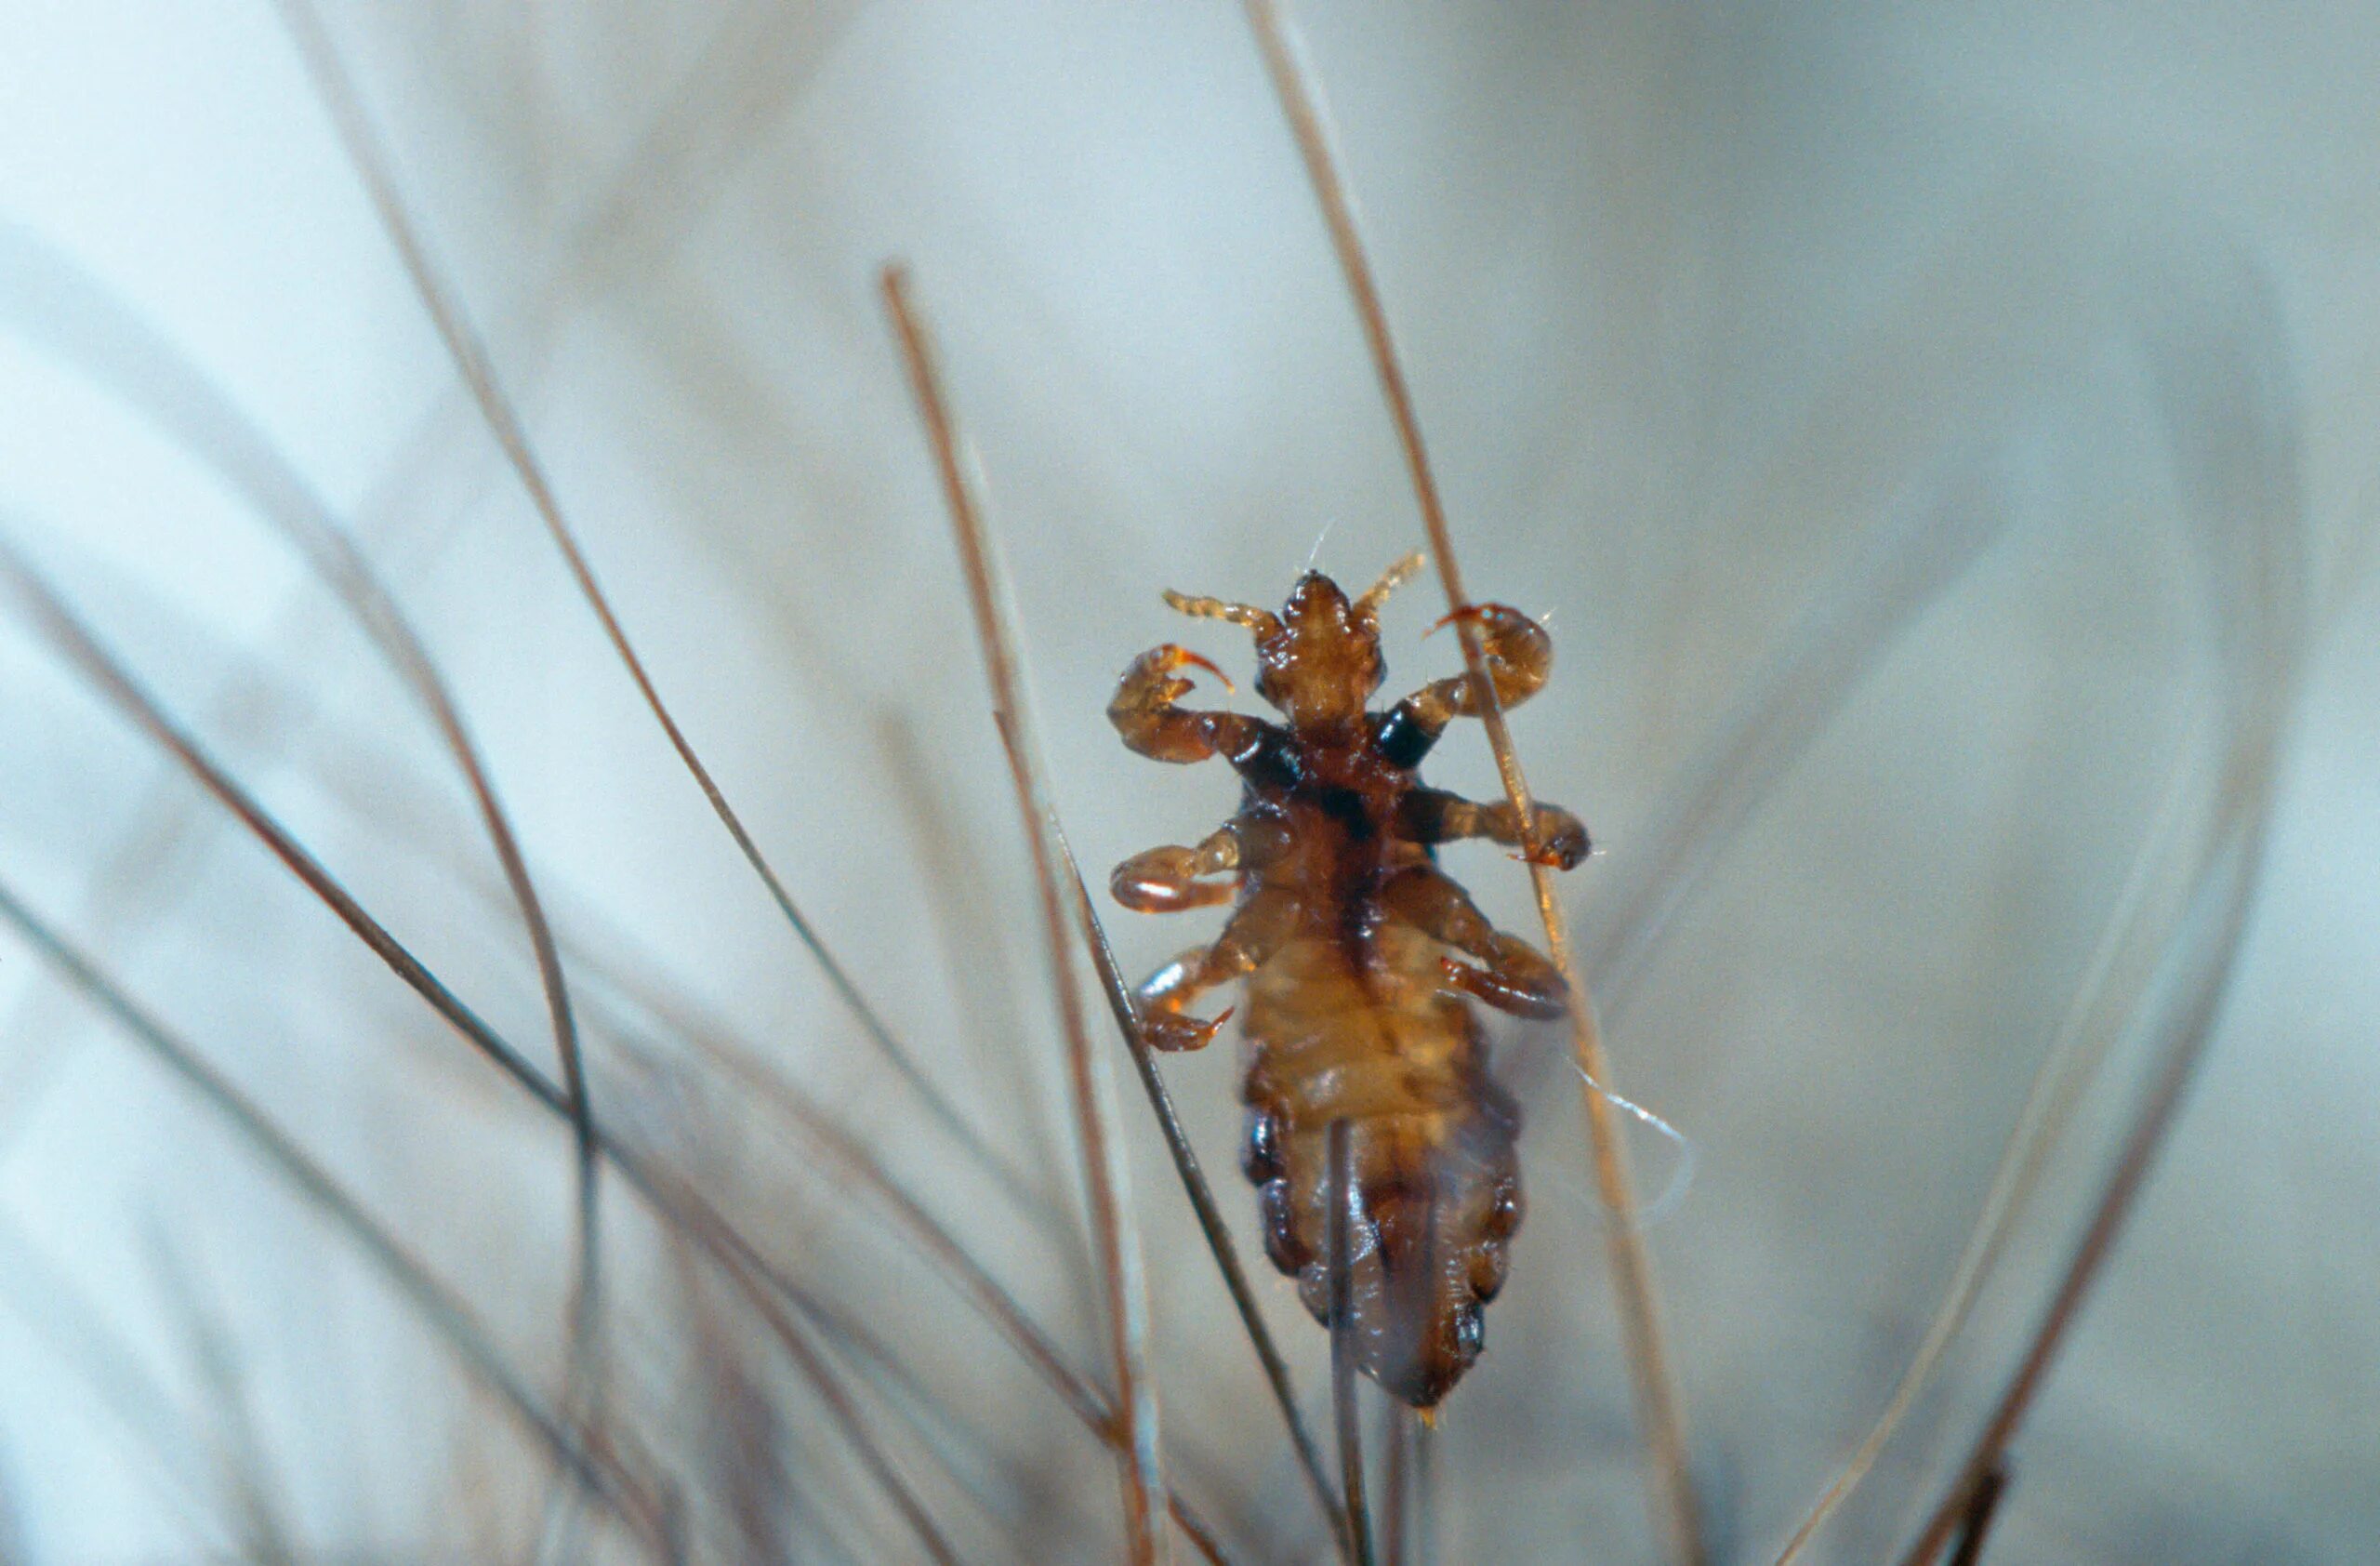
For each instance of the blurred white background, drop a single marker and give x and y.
(1942, 441)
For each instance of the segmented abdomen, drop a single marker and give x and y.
(1370, 1035)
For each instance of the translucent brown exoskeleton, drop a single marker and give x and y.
(1360, 957)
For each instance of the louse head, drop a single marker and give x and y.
(1319, 661)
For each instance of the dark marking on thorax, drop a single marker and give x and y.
(1336, 795)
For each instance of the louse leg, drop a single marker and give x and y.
(1143, 713)
(1429, 815)
(1511, 975)
(1245, 942)
(1173, 878)
(1518, 654)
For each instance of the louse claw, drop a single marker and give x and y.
(1174, 1033)
(1502, 991)
(1468, 612)
(1177, 657)
(1564, 850)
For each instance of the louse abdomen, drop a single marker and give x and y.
(1432, 1150)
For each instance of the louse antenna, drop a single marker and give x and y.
(1260, 622)
(1399, 573)
(1677, 1515)
(1114, 1236)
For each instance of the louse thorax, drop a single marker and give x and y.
(1320, 662)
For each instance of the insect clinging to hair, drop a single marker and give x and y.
(1360, 957)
